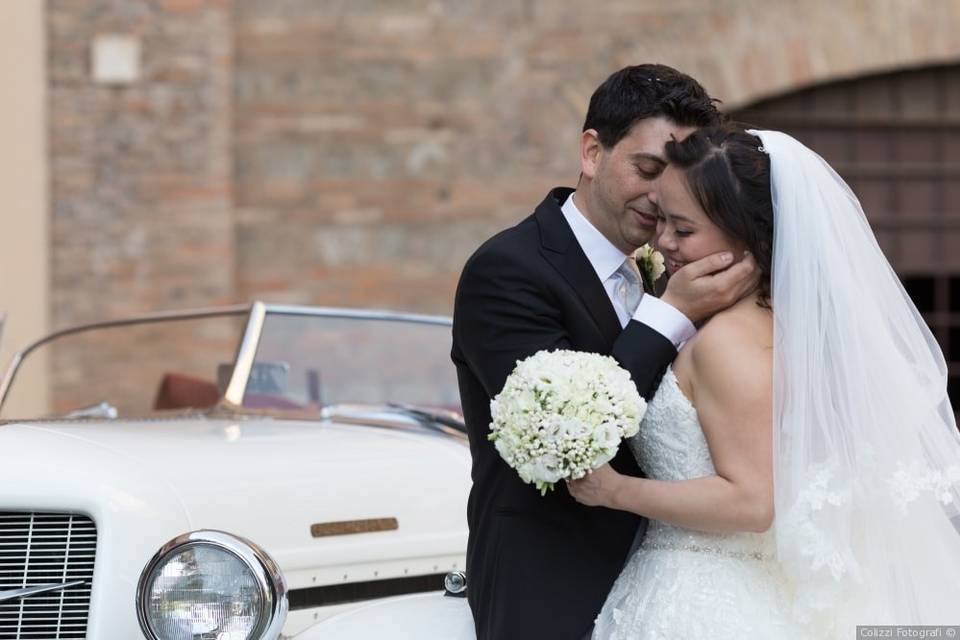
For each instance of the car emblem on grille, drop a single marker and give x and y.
(28, 592)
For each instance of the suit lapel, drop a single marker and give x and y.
(561, 249)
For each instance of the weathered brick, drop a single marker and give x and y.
(355, 152)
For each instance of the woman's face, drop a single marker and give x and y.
(684, 232)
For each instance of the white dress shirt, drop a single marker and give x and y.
(606, 259)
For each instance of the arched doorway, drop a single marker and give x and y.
(895, 138)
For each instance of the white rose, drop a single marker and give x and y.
(657, 265)
(603, 458)
(651, 262)
(609, 435)
(546, 469)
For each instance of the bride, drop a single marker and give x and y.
(802, 457)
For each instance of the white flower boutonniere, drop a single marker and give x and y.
(650, 262)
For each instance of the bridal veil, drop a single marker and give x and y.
(866, 447)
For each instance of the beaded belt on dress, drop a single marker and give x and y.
(676, 546)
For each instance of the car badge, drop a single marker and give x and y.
(28, 592)
(349, 527)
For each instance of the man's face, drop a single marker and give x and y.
(620, 180)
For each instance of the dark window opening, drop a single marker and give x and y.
(922, 290)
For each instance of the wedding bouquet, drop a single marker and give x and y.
(562, 413)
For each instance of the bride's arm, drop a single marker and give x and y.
(732, 379)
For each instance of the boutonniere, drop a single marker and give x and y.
(650, 263)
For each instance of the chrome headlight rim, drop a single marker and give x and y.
(269, 579)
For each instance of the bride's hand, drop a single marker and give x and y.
(597, 488)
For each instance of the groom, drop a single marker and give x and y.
(564, 278)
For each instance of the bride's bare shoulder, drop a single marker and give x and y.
(736, 341)
(745, 325)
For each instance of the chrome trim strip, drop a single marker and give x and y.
(358, 314)
(246, 353)
(27, 592)
(273, 588)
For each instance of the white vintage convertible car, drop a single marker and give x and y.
(242, 473)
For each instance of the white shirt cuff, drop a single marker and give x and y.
(665, 320)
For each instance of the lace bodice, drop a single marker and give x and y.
(670, 445)
(682, 583)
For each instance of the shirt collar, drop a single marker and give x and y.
(602, 254)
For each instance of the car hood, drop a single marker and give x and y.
(267, 480)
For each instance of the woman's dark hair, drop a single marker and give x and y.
(729, 175)
(647, 91)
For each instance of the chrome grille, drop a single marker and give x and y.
(46, 548)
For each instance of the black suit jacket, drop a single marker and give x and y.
(539, 566)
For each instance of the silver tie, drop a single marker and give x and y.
(630, 287)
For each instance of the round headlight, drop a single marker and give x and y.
(211, 584)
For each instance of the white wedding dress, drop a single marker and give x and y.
(682, 583)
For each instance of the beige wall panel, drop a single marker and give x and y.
(24, 242)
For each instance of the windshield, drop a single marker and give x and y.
(300, 359)
(308, 362)
(137, 369)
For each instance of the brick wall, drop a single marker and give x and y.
(354, 152)
(141, 180)
(141, 174)
(378, 142)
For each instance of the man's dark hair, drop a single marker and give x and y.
(648, 91)
(729, 175)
